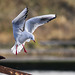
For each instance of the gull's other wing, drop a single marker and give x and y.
(35, 22)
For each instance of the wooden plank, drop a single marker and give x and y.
(57, 43)
(11, 71)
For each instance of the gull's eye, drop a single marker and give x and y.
(31, 38)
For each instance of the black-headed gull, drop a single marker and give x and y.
(23, 30)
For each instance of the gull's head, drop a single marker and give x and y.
(31, 37)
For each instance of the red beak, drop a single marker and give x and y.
(34, 41)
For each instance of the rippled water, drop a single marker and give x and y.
(51, 72)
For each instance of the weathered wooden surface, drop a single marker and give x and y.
(11, 71)
(57, 43)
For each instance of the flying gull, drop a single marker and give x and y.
(23, 30)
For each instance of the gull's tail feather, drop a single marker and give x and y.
(19, 48)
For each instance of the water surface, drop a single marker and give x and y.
(51, 72)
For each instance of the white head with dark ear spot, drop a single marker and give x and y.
(31, 37)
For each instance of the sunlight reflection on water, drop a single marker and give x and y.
(51, 72)
(48, 72)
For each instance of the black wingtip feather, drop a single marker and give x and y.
(52, 18)
(26, 13)
(43, 19)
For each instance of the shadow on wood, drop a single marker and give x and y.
(11, 71)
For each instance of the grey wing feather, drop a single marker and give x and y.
(35, 22)
(19, 22)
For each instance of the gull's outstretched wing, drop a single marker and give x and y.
(19, 22)
(35, 22)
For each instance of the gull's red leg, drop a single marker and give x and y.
(16, 49)
(24, 49)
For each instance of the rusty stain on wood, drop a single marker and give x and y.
(11, 71)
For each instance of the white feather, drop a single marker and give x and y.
(19, 48)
